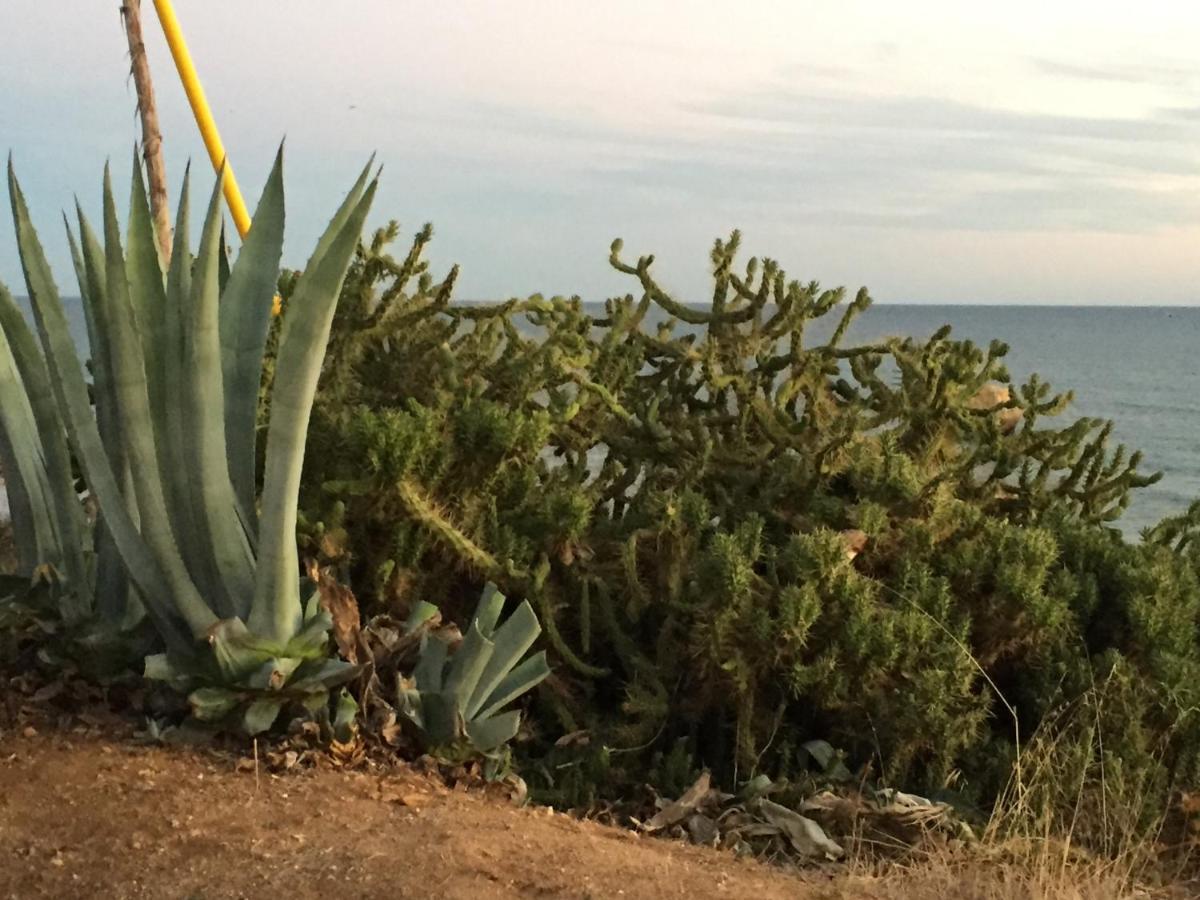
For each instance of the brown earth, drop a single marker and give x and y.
(89, 814)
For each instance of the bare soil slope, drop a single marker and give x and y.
(86, 817)
(90, 815)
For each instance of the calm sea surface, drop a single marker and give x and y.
(1139, 367)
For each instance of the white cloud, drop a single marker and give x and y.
(937, 150)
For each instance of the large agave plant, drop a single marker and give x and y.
(169, 452)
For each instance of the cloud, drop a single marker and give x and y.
(930, 162)
(1170, 75)
(803, 157)
(802, 111)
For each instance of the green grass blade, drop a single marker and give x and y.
(277, 613)
(245, 321)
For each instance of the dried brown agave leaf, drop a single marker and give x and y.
(806, 836)
(680, 810)
(338, 600)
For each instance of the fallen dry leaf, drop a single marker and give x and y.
(338, 600)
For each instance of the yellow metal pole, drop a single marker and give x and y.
(204, 119)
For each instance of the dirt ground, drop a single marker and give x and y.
(93, 815)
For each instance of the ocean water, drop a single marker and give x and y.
(1139, 367)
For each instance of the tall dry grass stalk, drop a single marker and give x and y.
(1076, 822)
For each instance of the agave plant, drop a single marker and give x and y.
(169, 453)
(49, 527)
(456, 698)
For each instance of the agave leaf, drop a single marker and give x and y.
(277, 611)
(115, 600)
(467, 665)
(523, 678)
(101, 364)
(429, 672)
(339, 220)
(212, 703)
(204, 428)
(148, 295)
(19, 508)
(222, 261)
(182, 492)
(158, 668)
(71, 394)
(273, 674)
(488, 734)
(408, 700)
(235, 650)
(313, 638)
(245, 321)
(137, 428)
(421, 613)
(511, 640)
(261, 715)
(71, 533)
(344, 716)
(24, 470)
(322, 674)
(487, 613)
(443, 724)
(315, 702)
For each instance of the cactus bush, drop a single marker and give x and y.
(168, 453)
(741, 531)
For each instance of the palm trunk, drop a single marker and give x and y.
(156, 170)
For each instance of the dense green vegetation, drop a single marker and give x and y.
(740, 539)
(191, 562)
(739, 532)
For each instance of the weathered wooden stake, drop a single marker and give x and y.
(156, 170)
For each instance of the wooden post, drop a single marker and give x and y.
(156, 170)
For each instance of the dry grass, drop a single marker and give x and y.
(1071, 826)
(1076, 823)
(976, 875)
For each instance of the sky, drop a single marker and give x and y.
(938, 152)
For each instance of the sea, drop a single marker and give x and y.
(1136, 366)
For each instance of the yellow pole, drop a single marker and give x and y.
(204, 119)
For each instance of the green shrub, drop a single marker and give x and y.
(740, 537)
